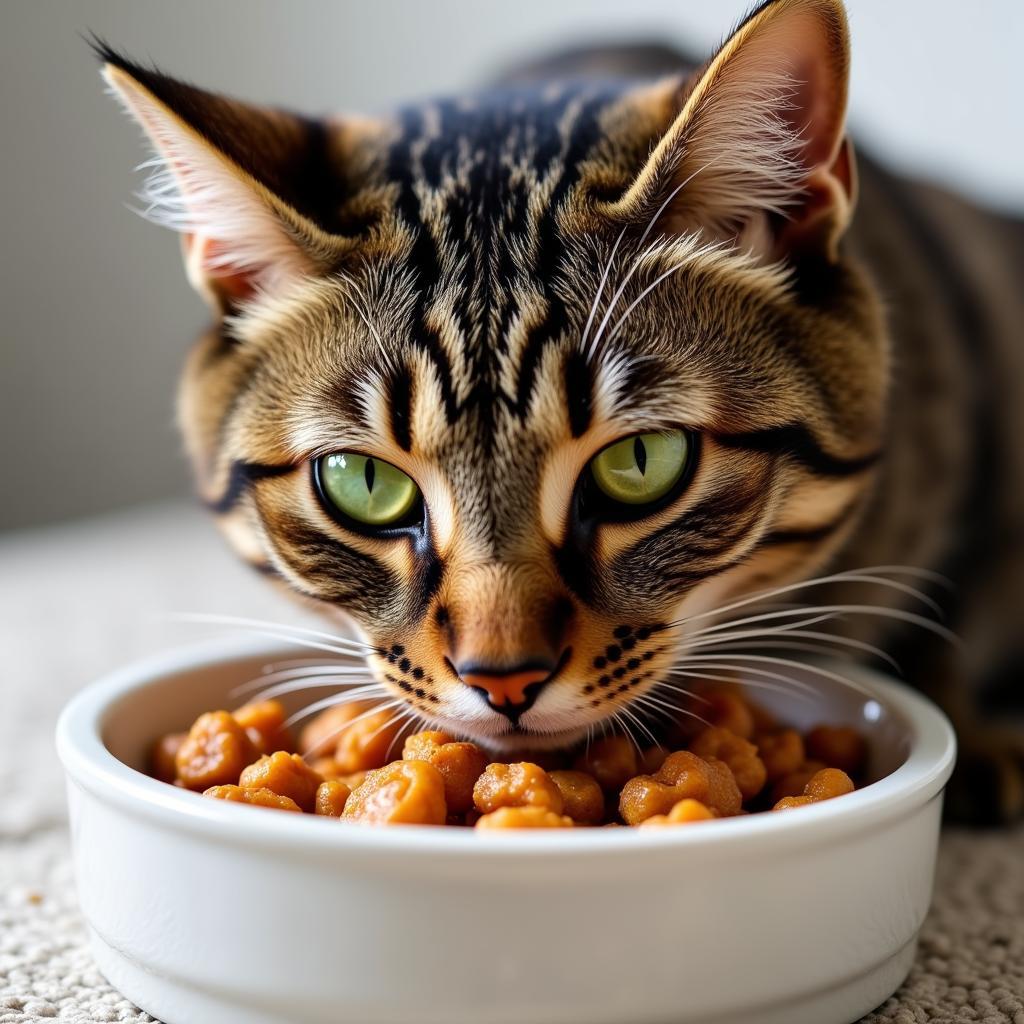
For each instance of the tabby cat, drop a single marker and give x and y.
(538, 384)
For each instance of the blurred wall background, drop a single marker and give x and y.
(96, 315)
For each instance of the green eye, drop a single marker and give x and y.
(366, 489)
(640, 469)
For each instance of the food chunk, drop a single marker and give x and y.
(163, 756)
(285, 774)
(838, 746)
(611, 760)
(253, 797)
(263, 722)
(331, 797)
(401, 793)
(739, 754)
(728, 710)
(355, 735)
(582, 797)
(460, 765)
(522, 784)
(782, 753)
(683, 776)
(823, 785)
(214, 753)
(523, 817)
(683, 813)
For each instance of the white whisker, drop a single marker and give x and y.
(330, 702)
(787, 663)
(298, 685)
(344, 645)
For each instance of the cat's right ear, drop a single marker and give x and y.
(240, 183)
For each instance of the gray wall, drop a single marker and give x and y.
(95, 312)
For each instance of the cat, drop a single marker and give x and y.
(535, 384)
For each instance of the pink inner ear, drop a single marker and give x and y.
(816, 110)
(209, 258)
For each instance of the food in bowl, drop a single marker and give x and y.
(740, 760)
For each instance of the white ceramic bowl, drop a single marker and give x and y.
(205, 911)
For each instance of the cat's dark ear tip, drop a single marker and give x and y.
(107, 55)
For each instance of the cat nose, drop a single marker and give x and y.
(510, 691)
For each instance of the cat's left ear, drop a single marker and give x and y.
(756, 148)
(239, 182)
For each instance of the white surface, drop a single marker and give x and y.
(96, 311)
(202, 910)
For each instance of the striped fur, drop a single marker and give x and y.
(482, 292)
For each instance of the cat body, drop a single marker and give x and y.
(542, 385)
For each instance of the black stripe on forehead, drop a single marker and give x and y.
(579, 392)
(400, 396)
(472, 154)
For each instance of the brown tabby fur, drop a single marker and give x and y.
(855, 406)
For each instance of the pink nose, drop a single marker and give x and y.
(511, 693)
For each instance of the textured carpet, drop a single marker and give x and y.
(77, 601)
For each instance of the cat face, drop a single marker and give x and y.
(530, 384)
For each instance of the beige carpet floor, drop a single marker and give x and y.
(77, 601)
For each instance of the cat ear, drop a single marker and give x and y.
(235, 180)
(756, 147)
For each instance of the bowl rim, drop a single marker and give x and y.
(91, 766)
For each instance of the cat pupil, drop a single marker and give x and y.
(640, 455)
(368, 474)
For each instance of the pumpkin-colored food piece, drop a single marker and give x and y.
(163, 756)
(523, 817)
(522, 784)
(214, 753)
(683, 813)
(263, 721)
(838, 746)
(400, 793)
(285, 774)
(331, 797)
(611, 760)
(739, 754)
(582, 797)
(253, 797)
(460, 765)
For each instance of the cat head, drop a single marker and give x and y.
(530, 383)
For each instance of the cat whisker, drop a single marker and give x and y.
(841, 577)
(333, 701)
(767, 659)
(639, 724)
(758, 684)
(299, 685)
(793, 684)
(728, 628)
(342, 644)
(332, 737)
(651, 697)
(753, 638)
(323, 671)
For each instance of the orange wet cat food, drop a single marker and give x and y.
(401, 793)
(824, 785)
(214, 752)
(331, 797)
(347, 768)
(522, 784)
(263, 722)
(285, 774)
(253, 797)
(683, 813)
(460, 765)
(523, 817)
